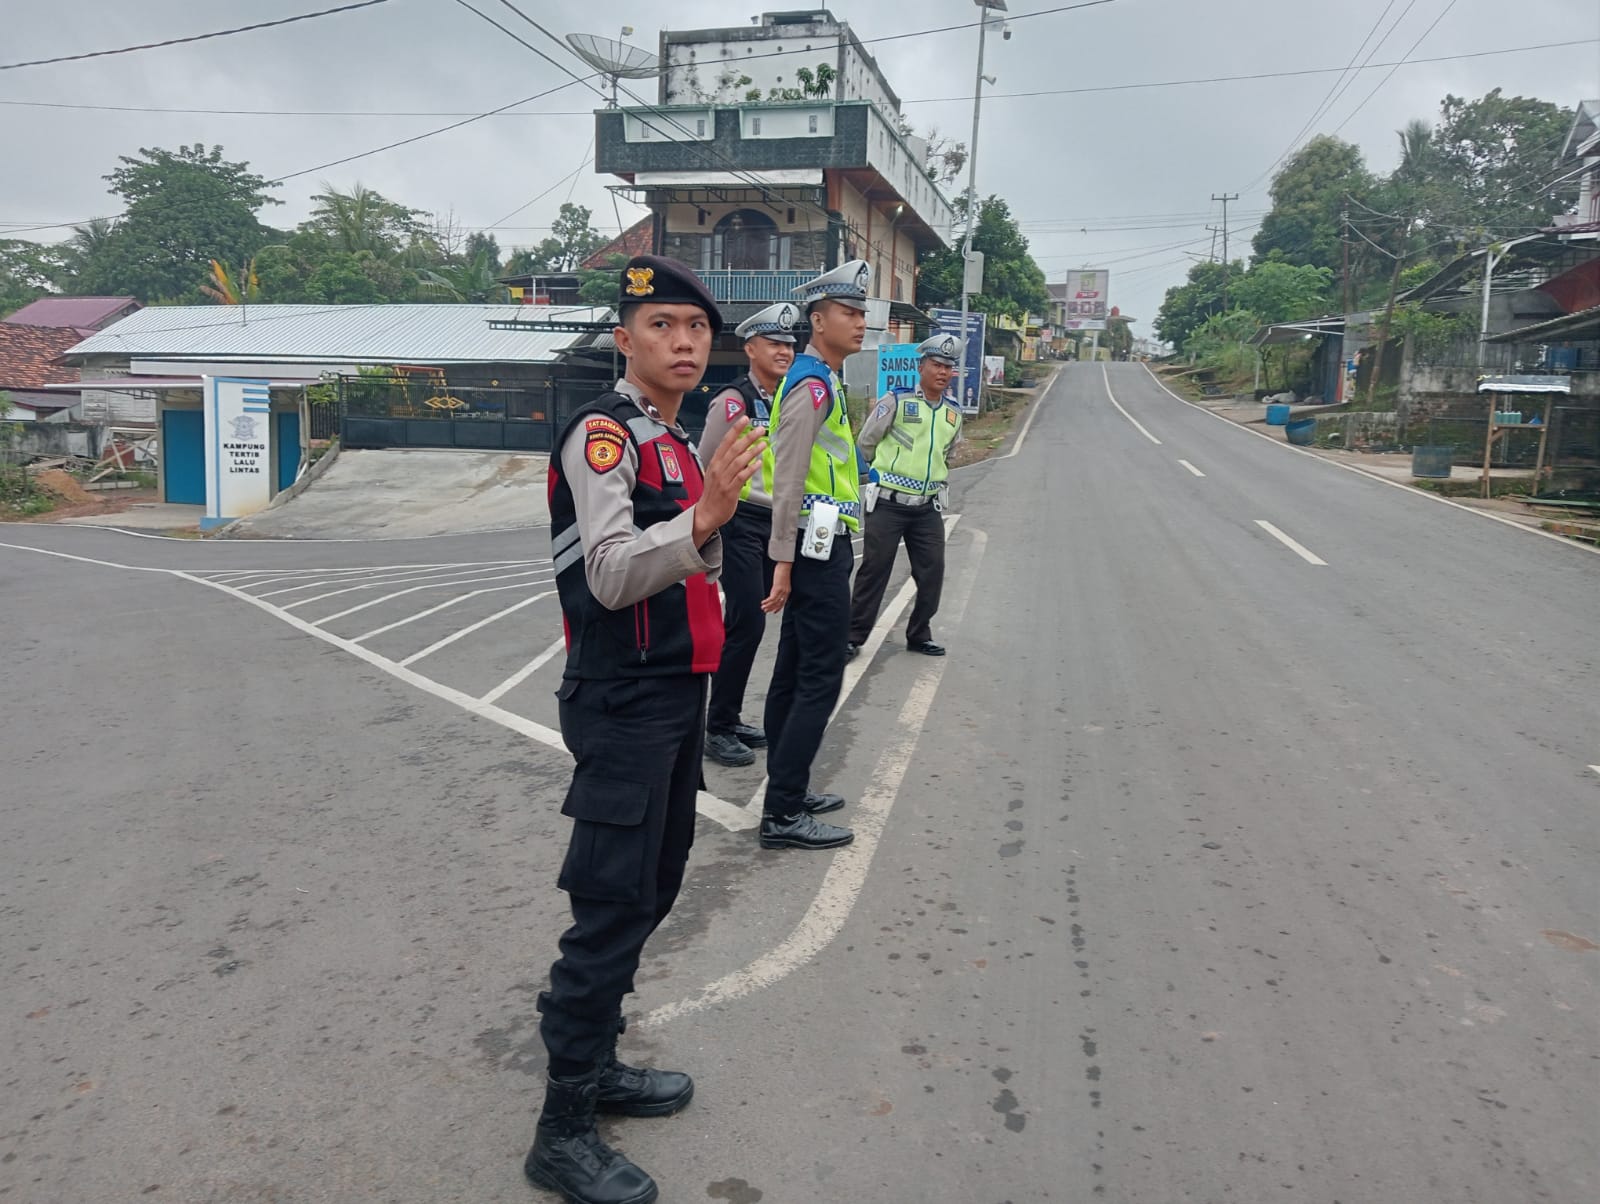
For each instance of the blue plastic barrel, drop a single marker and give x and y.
(1302, 431)
(1277, 414)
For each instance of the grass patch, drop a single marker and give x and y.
(1513, 487)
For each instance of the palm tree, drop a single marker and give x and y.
(1416, 150)
(473, 280)
(226, 289)
(361, 220)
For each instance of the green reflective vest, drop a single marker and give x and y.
(912, 456)
(832, 475)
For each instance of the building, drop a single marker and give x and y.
(488, 377)
(1580, 160)
(83, 314)
(776, 152)
(30, 364)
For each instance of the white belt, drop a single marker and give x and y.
(907, 499)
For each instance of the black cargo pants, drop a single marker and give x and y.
(637, 743)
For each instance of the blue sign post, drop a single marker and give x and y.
(897, 367)
(970, 381)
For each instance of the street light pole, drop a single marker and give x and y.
(972, 187)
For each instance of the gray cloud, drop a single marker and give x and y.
(1063, 162)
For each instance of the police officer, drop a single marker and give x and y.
(634, 535)
(811, 462)
(909, 437)
(746, 568)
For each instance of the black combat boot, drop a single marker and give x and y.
(636, 1091)
(568, 1156)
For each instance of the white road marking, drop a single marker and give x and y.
(375, 579)
(493, 589)
(847, 871)
(427, 583)
(400, 593)
(1372, 476)
(1191, 468)
(1105, 376)
(1596, 768)
(857, 669)
(713, 808)
(472, 627)
(1027, 426)
(224, 542)
(1298, 549)
(527, 671)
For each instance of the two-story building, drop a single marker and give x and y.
(774, 153)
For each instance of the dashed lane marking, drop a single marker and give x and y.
(1106, 377)
(1372, 476)
(1299, 549)
(1191, 468)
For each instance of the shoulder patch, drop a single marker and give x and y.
(819, 394)
(603, 444)
(883, 408)
(735, 409)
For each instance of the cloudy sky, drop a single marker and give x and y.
(1119, 179)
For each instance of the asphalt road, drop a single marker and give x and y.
(1198, 871)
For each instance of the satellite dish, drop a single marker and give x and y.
(614, 59)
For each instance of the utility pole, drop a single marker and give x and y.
(1388, 311)
(972, 197)
(1344, 242)
(1225, 198)
(1214, 230)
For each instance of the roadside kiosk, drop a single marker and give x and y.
(1504, 420)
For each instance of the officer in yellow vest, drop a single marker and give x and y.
(810, 464)
(909, 438)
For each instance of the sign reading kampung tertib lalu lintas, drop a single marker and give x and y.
(238, 447)
(1088, 299)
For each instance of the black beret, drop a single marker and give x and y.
(668, 282)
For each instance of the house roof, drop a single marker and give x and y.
(406, 334)
(1585, 324)
(86, 313)
(635, 240)
(1585, 131)
(28, 356)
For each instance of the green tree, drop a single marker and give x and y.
(1494, 155)
(572, 240)
(1280, 292)
(362, 219)
(184, 208)
(1013, 283)
(474, 280)
(1188, 305)
(1304, 225)
(26, 272)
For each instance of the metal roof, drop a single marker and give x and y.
(407, 334)
(87, 312)
(1585, 324)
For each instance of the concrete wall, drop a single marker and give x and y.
(60, 439)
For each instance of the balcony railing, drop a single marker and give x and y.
(742, 284)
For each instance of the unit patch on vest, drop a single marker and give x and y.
(819, 394)
(671, 470)
(603, 442)
(950, 417)
(913, 412)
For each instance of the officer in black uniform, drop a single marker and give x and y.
(746, 568)
(634, 535)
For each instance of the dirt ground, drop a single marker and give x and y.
(112, 501)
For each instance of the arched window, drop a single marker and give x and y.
(749, 239)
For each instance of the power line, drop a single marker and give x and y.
(1149, 84)
(1327, 100)
(1444, 12)
(199, 37)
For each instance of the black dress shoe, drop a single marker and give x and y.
(821, 804)
(851, 651)
(728, 750)
(568, 1156)
(802, 832)
(926, 647)
(750, 737)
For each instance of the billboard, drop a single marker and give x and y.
(1088, 299)
(970, 379)
(897, 367)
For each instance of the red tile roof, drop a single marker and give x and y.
(28, 355)
(87, 312)
(635, 240)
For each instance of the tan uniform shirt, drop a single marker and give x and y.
(880, 424)
(621, 563)
(718, 424)
(791, 438)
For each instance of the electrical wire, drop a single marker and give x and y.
(1443, 13)
(199, 37)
